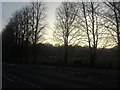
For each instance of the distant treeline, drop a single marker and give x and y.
(51, 55)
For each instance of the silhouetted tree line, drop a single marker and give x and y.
(50, 55)
(88, 23)
(24, 28)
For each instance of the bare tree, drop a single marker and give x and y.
(20, 24)
(27, 25)
(38, 16)
(90, 23)
(112, 16)
(8, 41)
(14, 24)
(65, 29)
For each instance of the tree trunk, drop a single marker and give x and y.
(92, 57)
(65, 54)
(26, 52)
(119, 56)
(35, 54)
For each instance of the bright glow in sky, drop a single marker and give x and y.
(51, 8)
(8, 8)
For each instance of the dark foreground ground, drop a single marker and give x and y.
(36, 76)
